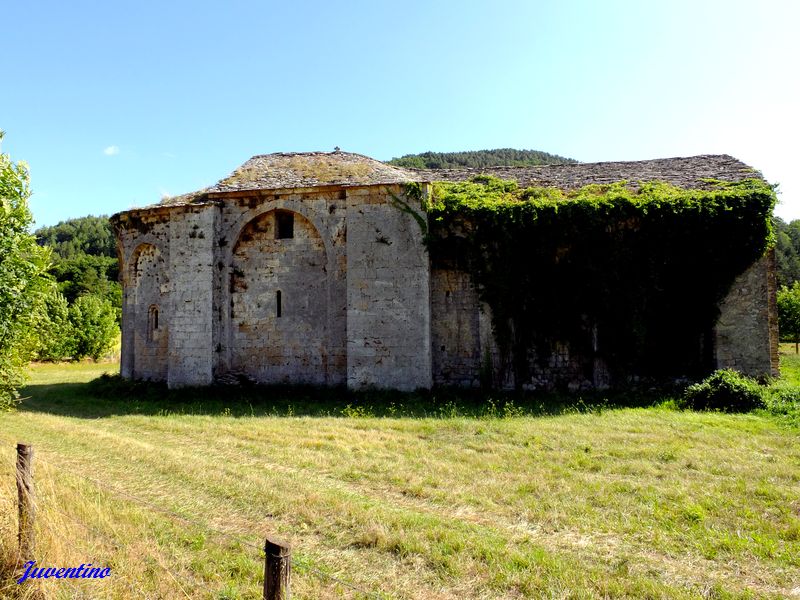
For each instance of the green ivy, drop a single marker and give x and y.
(415, 195)
(630, 274)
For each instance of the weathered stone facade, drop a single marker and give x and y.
(746, 334)
(311, 268)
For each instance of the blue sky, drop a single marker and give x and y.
(113, 104)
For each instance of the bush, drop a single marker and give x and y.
(94, 325)
(725, 390)
(54, 330)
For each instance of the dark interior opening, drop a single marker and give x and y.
(284, 224)
(152, 322)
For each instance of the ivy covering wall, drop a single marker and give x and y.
(631, 274)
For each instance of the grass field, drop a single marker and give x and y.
(790, 364)
(500, 502)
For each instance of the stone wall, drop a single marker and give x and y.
(151, 313)
(279, 307)
(191, 275)
(143, 250)
(465, 353)
(746, 334)
(457, 347)
(388, 294)
(306, 344)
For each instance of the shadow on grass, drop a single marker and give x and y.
(110, 395)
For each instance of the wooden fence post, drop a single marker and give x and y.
(277, 570)
(27, 508)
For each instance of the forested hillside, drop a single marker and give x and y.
(479, 158)
(85, 235)
(84, 258)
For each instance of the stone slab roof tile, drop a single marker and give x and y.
(311, 169)
(688, 172)
(189, 198)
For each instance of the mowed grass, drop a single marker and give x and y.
(506, 503)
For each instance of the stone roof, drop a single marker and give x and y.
(310, 169)
(688, 173)
(189, 198)
(288, 170)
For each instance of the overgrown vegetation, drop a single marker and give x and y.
(23, 280)
(632, 275)
(724, 390)
(145, 397)
(501, 157)
(729, 391)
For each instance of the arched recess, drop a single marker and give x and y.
(147, 297)
(279, 300)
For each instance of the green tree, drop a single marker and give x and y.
(24, 283)
(94, 326)
(787, 250)
(54, 330)
(87, 274)
(789, 312)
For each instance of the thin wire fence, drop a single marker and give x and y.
(130, 581)
(118, 494)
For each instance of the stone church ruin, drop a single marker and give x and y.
(313, 268)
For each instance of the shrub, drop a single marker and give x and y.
(725, 390)
(54, 329)
(94, 324)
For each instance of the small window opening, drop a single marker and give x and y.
(152, 322)
(284, 224)
(278, 307)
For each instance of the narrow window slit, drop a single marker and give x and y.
(284, 224)
(278, 303)
(152, 322)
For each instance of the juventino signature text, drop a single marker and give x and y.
(82, 572)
